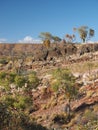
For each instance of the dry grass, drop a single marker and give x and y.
(83, 67)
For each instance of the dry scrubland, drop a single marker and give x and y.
(49, 87)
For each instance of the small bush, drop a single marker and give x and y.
(8, 100)
(15, 120)
(3, 61)
(59, 118)
(2, 75)
(63, 79)
(11, 77)
(33, 80)
(22, 102)
(5, 116)
(20, 81)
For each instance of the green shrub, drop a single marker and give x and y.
(3, 61)
(7, 77)
(22, 102)
(2, 75)
(11, 77)
(15, 105)
(8, 100)
(19, 102)
(11, 119)
(89, 121)
(5, 116)
(55, 85)
(4, 81)
(20, 81)
(33, 80)
(63, 79)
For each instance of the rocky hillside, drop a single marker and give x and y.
(63, 88)
(40, 52)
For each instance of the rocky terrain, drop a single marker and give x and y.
(49, 108)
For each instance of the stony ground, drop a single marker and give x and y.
(46, 104)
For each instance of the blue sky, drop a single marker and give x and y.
(23, 20)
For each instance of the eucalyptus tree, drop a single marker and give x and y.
(85, 33)
(45, 36)
(56, 38)
(48, 36)
(70, 38)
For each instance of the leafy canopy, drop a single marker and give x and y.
(85, 32)
(63, 79)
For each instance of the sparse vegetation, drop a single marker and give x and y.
(63, 80)
(3, 61)
(36, 94)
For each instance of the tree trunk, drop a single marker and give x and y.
(83, 40)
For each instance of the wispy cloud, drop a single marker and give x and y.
(29, 39)
(3, 40)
